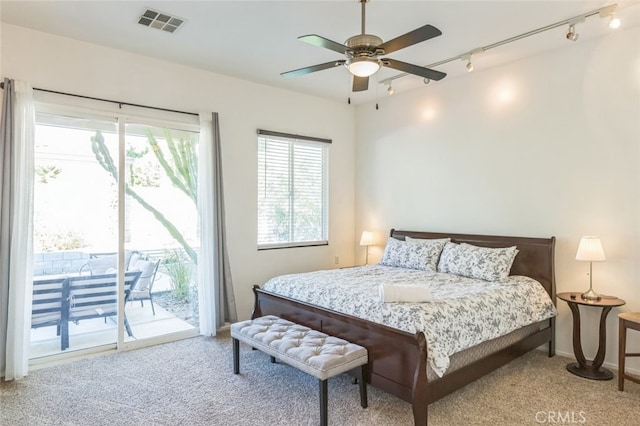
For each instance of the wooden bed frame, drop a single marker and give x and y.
(397, 359)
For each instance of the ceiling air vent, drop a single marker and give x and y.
(159, 20)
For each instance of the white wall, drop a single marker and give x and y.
(67, 65)
(544, 146)
(549, 145)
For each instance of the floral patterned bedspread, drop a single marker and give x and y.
(464, 311)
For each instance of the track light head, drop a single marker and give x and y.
(572, 34)
(426, 80)
(614, 23)
(609, 12)
(467, 57)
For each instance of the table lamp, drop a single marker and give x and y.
(367, 240)
(590, 250)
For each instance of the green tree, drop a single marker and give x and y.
(181, 170)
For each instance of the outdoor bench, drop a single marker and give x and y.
(59, 300)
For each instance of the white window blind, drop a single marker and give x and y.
(292, 190)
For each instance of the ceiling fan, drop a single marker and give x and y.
(363, 54)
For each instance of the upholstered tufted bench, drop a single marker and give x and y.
(308, 350)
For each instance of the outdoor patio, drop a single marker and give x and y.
(171, 315)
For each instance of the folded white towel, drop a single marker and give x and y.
(404, 293)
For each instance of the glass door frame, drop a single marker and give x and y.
(64, 105)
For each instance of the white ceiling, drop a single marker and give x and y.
(257, 40)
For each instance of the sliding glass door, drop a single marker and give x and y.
(115, 238)
(161, 228)
(75, 223)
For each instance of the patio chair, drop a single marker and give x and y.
(142, 290)
(95, 296)
(46, 310)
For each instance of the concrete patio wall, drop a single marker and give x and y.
(59, 262)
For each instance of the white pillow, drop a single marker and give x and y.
(147, 267)
(485, 263)
(412, 255)
(101, 264)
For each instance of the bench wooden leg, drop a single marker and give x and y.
(323, 402)
(273, 360)
(236, 356)
(363, 386)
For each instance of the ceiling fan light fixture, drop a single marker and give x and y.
(363, 67)
(390, 89)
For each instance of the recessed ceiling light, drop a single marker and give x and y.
(160, 20)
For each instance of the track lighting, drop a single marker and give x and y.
(572, 34)
(610, 12)
(603, 12)
(614, 22)
(390, 89)
(426, 80)
(469, 65)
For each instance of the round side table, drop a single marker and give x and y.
(584, 368)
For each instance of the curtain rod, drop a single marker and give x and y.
(109, 100)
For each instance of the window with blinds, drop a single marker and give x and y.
(292, 190)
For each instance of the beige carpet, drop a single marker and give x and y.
(191, 382)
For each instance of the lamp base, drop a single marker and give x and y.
(591, 295)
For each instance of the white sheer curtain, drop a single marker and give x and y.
(17, 128)
(215, 288)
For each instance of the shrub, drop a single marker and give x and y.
(180, 271)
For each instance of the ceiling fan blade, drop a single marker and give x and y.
(360, 84)
(413, 69)
(410, 38)
(317, 40)
(313, 68)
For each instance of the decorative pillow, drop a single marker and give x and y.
(147, 267)
(489, 264)
(428, 240)
(412, 255)
(100, 265)
(133, 259)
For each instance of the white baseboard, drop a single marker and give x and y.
(608, 365)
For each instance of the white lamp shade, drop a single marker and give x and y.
(363, 67)
(367, 239)
(590, 250)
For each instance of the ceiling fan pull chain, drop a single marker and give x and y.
(377, 93)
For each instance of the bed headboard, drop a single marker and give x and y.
(534, 259)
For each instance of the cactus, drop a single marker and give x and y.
(184, 177)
